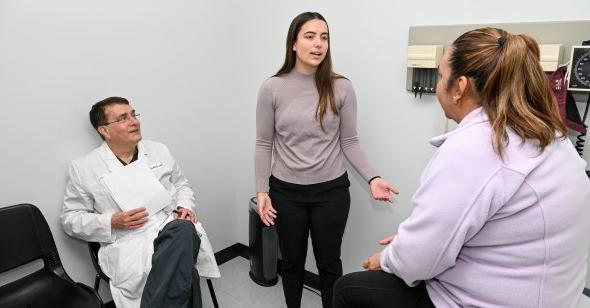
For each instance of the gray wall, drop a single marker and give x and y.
(368, 41)
(172, 60)
(193, 70)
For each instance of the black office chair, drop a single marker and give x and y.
(25, 237)
(93, 247)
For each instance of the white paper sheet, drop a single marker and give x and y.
(135, 185)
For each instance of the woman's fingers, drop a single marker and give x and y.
(265, 210)
(392, 189)
(387, 240)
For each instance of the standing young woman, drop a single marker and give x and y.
(308, 113)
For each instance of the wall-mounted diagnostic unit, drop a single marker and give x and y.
(550, 56)
(579, 69)
(579, 81)
(422, 66)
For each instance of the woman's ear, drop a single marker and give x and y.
(460, 88)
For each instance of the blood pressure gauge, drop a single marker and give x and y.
(579, 69)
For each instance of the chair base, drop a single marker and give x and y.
(45, 289)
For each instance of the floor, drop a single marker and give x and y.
(236, 290)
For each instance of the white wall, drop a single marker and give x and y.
(171, 59)
(368, 46)
(193, 70)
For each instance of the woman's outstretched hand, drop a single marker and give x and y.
(382, 190)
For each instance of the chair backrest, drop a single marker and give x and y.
(25, 237)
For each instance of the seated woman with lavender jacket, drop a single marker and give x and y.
(502, 214)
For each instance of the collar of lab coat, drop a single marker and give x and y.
(476, 116)
(111, 160)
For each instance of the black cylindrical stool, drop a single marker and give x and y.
(263, 242)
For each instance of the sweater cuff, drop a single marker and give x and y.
(371, 179)
(262, 186)
(383, 260)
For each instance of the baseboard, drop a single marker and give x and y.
(233, 251)
(240, 250)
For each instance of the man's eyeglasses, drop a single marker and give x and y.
(124, 118)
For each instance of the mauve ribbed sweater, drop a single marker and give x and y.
(304, 153)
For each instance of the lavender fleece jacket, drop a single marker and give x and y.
(486, 232)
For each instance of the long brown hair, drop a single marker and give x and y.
(508, 78)
(324, 76)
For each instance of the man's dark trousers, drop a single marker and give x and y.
(173, 281)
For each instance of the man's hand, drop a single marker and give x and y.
(265, 210)
(132, 219)
(186, 214)
(373, 263)
(382, 190)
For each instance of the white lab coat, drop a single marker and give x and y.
(125, 256)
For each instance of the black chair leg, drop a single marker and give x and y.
(212, 291)
(96, 282)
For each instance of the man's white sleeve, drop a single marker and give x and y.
(78, 217)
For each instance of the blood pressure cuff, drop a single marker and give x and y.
(565, 101)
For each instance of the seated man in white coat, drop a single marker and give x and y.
(130, 196)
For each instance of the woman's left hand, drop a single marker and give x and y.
(382, 190)
(387, 240)
(373, 263)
